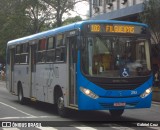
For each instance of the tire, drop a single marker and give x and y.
(62, 111)
(116, 113)
(21, 98)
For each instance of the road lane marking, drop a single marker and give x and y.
(10, 129)
(27, 117)
(122, 128)
(4, 118)
(119, 127)
(155, 128)
(85, 128)
(46, 128)
(16, 109)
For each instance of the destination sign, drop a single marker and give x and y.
(120, 28)
(116, 28)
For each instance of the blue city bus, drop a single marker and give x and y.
(88, 65)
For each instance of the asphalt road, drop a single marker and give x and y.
(45, 114)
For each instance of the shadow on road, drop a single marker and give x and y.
(75, 115)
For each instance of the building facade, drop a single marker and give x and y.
(126, 10)
(116, 9)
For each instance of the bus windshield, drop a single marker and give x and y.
(115, 56)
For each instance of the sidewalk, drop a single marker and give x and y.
(156, 94)
(2, 82)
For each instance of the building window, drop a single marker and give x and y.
(108, 1)
(95, 3)
(123, 2)
(100, 2)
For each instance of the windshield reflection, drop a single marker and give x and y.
(115, 56)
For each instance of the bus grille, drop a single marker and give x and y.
(118, 86)
(118, 83)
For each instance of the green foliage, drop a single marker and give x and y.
(151, 16)
(11, 22)
(61, 7)
(19, 18)
(72, 20)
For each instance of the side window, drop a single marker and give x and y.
(51, 43)
(61, 54)
(41, 52)
(42, 45)
(21, 55)
(50, 54)
(18, 54)
(60, 39)
(18, 49)
(24, 54)
(60, 48)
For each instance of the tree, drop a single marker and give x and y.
(151, 16)
(72, 20)
(11, 21)
(19, 18)
(39, 15)
(61, 7)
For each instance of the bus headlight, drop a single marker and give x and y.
(146, 93)
(88, 93)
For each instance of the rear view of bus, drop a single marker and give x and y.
(114, 69)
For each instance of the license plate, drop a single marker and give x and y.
(119, 104)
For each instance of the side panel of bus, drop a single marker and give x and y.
(10, 70)
(32, 70)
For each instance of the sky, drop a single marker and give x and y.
(81, 9)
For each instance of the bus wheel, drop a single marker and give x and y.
(116, 113)
(62, 111)
(20, 96)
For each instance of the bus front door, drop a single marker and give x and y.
(72, 72)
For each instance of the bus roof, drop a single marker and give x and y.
(73, 26)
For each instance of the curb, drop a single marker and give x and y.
(155, 102)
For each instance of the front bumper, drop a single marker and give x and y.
(102, 103)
